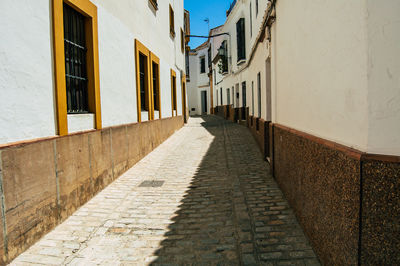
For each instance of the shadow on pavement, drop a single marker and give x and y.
(233, 212)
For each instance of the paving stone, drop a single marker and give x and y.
(217, 205)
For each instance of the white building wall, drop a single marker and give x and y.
(27, 104)
(117, 80)
(320, 69)
(26, 71)
(384, 77)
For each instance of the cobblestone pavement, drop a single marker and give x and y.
(217, 205)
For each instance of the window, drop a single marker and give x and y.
(76, 61)
(224, 58)
(144, 103)
(222, 102)
(171, 22)
(202, 64)
(182, 41)
(251, 21)
(259, 93)
(184, 96)
(256, 8)
(155, 85)
(241, 42)
(187, 66)
(154, 4)
(173, 93)
(143, 77)
(228, 96)
(237, 94)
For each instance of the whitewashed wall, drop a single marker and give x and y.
(343, 84)
(26, 71)
(384, 76)
(320, 69)
(27, 104)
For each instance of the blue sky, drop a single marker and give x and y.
(215, 10)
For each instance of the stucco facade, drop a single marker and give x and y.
(54, 159)
(322, 101)
(28, 102)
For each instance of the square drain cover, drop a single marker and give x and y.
(152, 183)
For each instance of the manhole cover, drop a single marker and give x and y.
(152, 183)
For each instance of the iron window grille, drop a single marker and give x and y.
(241, 40)
(171, 21)
(187, 66)
(75, 61)
(174, 105)
(155, 87)
(142, 74)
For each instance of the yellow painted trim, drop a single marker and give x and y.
(141, 49)
(173, 75)
(89, 10)
(156, 60)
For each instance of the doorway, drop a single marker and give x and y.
(204, 102)
(185, 118)
(268, 89)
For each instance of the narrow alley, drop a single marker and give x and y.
(203, 197)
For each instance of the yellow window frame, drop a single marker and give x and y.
(89, 10)
(174, 103)
(154, 59)
(141, 49)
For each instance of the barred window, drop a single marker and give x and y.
(241, 40)
(156, 86)
(171, 22)
(143, 82)
(75, 61)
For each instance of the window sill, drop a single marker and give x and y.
(144, 116)
(156, 114)
(80, 122)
